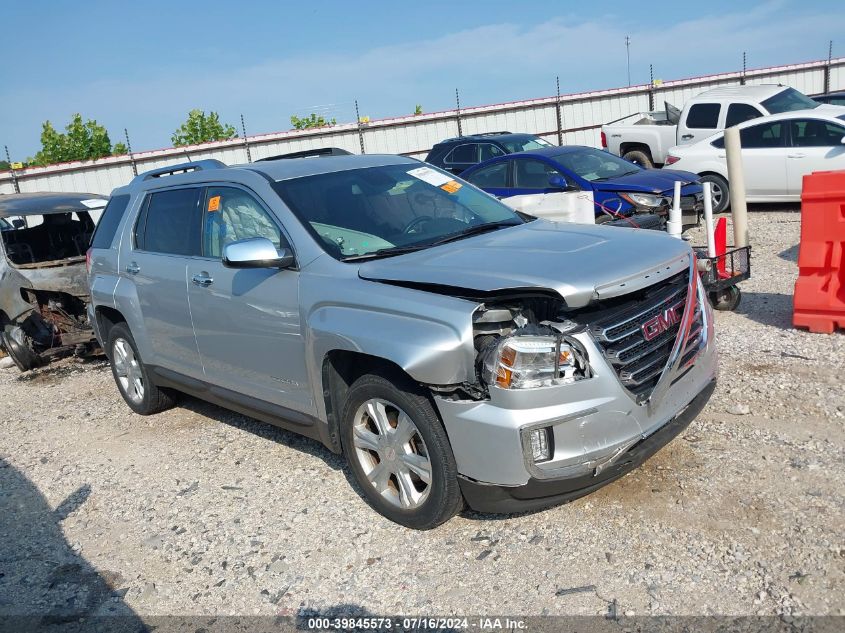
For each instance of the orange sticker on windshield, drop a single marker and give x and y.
(451, 186)
(214, 203)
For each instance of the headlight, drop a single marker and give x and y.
(645, 199)
(527, 362)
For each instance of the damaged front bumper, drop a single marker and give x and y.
(598, 432)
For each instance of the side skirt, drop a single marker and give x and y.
(288, 419)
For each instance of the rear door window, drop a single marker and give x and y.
(740, 113)
(704, 116)
(107, 226)
(765, 135)
(170, 223)
(488, 150)
(466, 153)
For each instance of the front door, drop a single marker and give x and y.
(816, 145)
(247, 321)
(533, 194)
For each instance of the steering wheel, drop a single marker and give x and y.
(420, 219)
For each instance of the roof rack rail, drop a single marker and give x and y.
(181, 168)
(491, 133)
(309, 153)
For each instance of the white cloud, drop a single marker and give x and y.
(489, 63)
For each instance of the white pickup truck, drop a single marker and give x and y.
(647, 140)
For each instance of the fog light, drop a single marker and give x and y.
(540, 445)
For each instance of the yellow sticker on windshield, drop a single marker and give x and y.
(451, 186)
(214, 203)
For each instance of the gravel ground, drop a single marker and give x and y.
(202, 511)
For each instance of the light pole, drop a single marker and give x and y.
(628, 57)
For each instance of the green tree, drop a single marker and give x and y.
(418, 109)
(202, 128)
(310, 121)
(80, 141)
(4, 165)
(119, 149)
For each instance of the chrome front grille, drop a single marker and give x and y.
(638, 332)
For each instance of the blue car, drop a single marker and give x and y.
(571, 182)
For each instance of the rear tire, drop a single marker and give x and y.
(639, 157)
(14, 342)
(398, 452)
(132, 376)
(719, 190)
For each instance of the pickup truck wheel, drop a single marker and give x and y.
(131, 375)
(399, 453)
(719, 191)
(640, 158)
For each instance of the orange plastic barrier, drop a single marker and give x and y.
(819, 302)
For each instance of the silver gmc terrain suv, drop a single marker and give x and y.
(453, 350)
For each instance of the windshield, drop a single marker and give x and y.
(389, 209)
(524, 144)
(595, 164)
(788, 101)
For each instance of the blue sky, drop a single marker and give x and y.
(143, 65)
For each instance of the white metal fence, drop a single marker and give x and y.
(581, 116)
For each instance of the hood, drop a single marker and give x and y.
(646, 181)
(580, 262)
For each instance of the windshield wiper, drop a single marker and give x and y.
(475, 230)
(387, 252)
(401, 250)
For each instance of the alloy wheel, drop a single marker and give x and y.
(392, 453)
(128, 370)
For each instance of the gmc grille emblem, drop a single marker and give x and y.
(655, 326)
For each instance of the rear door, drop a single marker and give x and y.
(165, 238)
(815, 145)
(461, 157)
(247, 321)
(764, 159)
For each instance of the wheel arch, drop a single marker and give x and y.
(339, 369)
(106, 318)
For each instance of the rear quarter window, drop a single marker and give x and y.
(107, 226)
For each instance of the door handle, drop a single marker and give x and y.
(687, 137)
(203, 279)
(798, 155)
(722, 156)
(133, 268)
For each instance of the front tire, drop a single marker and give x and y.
(132, 376)
(398, 452)
(719, 190)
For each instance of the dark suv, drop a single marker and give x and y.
(462, 152)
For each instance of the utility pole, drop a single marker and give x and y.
(628, 57)
(129, 149)
(12, 171)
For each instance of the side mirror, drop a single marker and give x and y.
(559, 182)
(20, 224)
(256, 252)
